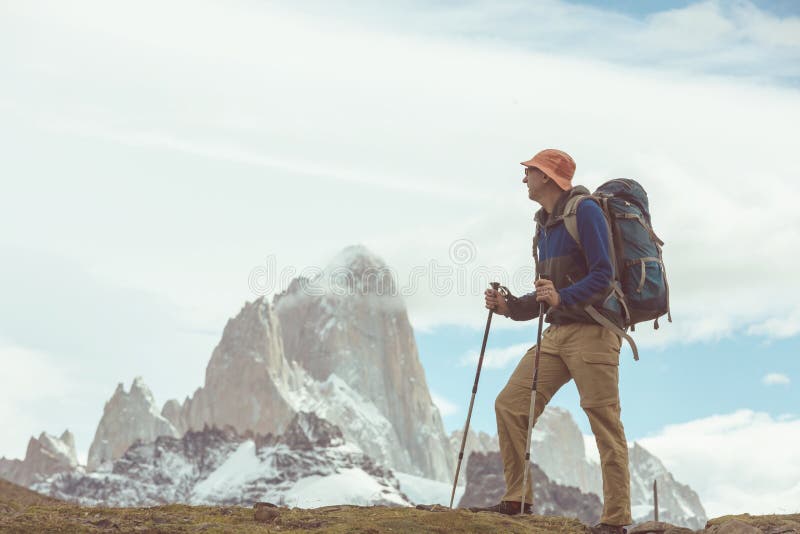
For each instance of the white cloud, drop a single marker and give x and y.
(175, 163)
(370, 141)
(445, 406)
(780, 327)
(739, 462)
(775, 378)
(499, 358)
(34, 388)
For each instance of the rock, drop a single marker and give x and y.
(658, 527)
(307, 432)
(246, 378)
(734, 526)
(304, 467)
(352, 324)
(266, 512)
(128, 417)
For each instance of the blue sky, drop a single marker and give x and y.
(666, 386)
(157, 153)
(780, 8)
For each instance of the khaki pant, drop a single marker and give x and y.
(589, 354)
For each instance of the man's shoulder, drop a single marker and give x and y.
(588, 207)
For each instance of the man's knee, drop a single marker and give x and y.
(501, 402)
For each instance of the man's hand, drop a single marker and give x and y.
(546, 292)
(496, 302)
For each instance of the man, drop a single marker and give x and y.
(574, 346)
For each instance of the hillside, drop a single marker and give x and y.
(22, 510)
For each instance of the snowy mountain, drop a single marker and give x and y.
(350, 322)
(339, 347)
(127, 418)
(309, 465)
(677, 503)
(44, 456)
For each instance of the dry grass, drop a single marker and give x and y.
(22, 510)
(767, 523)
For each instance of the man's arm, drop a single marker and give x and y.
(518, 308)
(523, 308)
(593, 231)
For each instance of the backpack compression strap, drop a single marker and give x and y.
(603, 321)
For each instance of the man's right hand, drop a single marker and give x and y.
(496, 302)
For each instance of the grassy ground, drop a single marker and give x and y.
(767, 523)
(22, 510)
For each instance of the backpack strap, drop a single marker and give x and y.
(571, 224)
(602, 320)
(570, 217)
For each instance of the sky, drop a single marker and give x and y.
(157, 155)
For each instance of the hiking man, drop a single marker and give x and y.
(574, 346)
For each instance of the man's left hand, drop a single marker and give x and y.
(546, 292)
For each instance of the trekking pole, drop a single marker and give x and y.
(533, 404)
(496, 287)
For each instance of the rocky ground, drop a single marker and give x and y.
(22, 510)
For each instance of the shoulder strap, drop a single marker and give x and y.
(570, 217)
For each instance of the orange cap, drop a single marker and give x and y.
(558, 165)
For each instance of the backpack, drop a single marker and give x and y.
(640, 279)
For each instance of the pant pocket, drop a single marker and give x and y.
(597, 378)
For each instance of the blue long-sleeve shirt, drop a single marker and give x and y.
(581, 276)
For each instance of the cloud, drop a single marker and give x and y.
(740, 462)
(780, 327)
(37, 395)
(445, 406)
(69, 336)
(379, 157)
(775, 378)
(497, 358)
(175, 163)
(727, 38)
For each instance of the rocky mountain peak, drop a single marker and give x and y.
(44, 456)
(678, 503)
(358, 271)
(354, 329)
(127, 417)
(246, 378)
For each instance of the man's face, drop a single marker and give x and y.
(535, 180)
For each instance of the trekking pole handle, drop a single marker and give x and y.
(501, 290)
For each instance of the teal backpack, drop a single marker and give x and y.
(640, 279)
